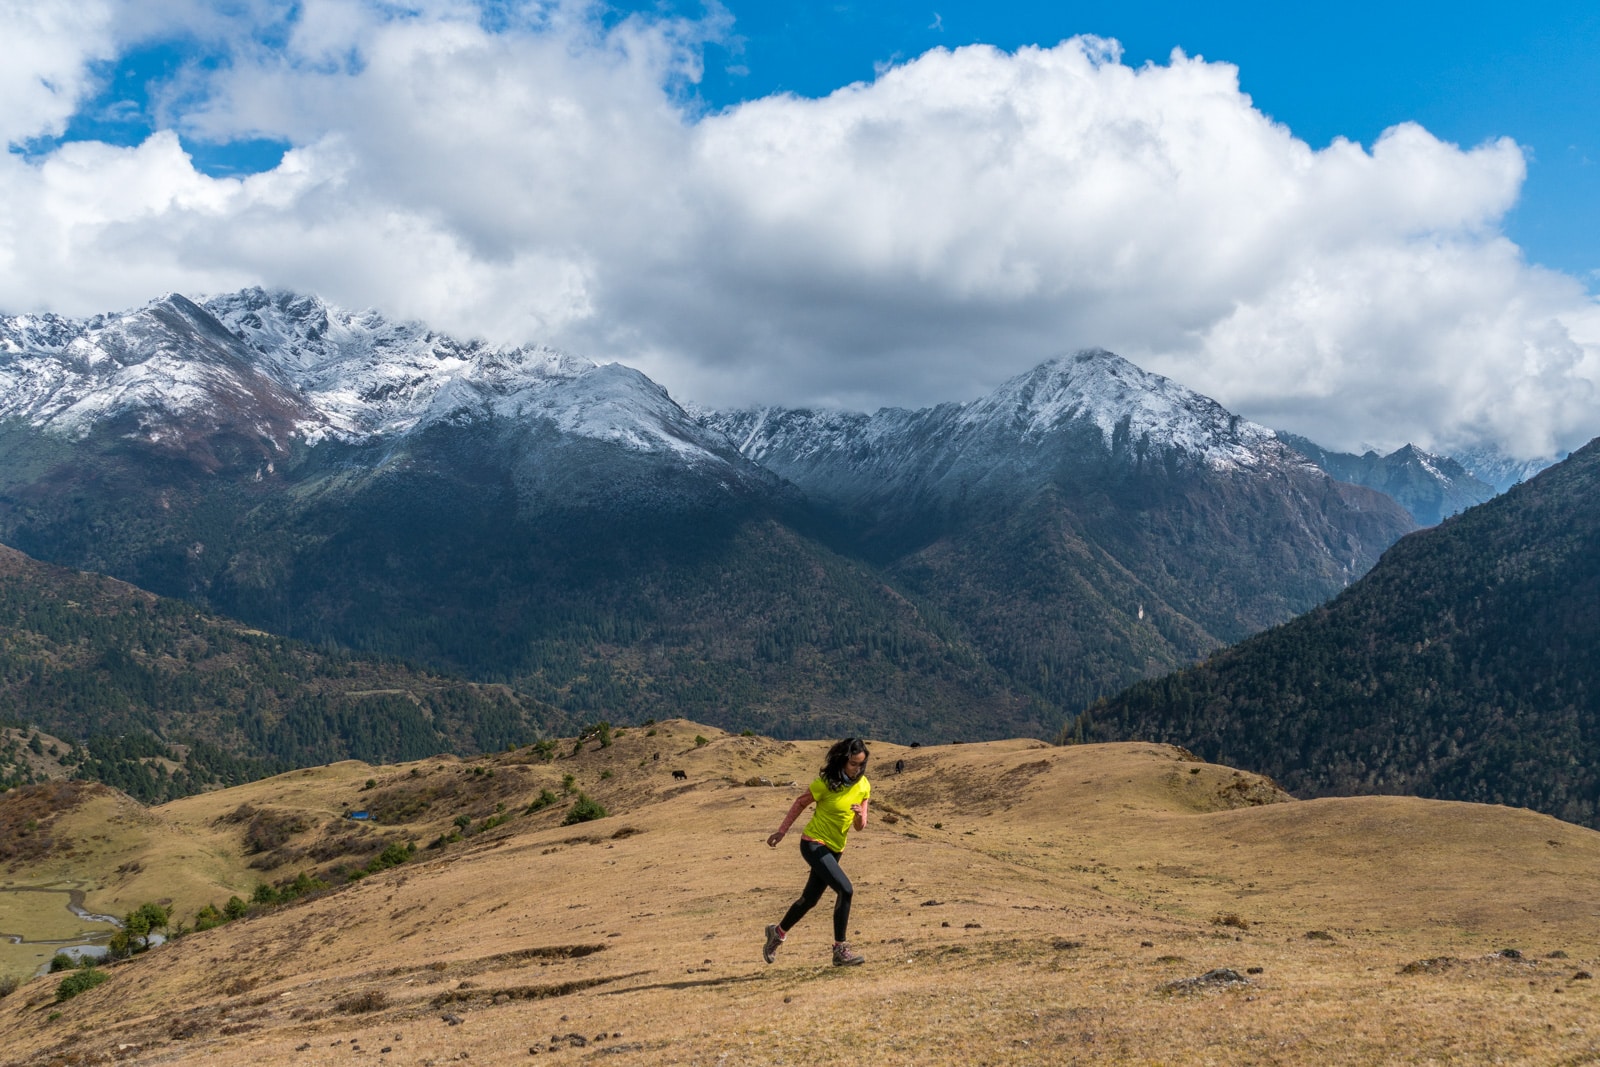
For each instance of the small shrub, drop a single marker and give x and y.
(698, 741)
(392, 856)
(8, 985)
(79, 982)
(121, 946)
(583, 810)
(264, 894)
(605, 774)
(208, 918)
(650, 733)
(1230, 919)
(235, 909)
(372, 1000)
(747, 733)
(302, 885)
(62, 962)
(372, 783)
(568, 783)
(540, 802)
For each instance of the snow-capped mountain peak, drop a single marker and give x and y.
(1119, 398)
(366, 375)
(165, 366)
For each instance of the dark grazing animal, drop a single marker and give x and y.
(680, 774)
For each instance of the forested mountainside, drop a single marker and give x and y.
(1462, 667)
(161, 701)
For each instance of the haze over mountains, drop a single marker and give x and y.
(523, 516)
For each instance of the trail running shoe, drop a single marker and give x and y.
(845, 956)
(774, 939)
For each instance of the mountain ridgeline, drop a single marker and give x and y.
(1431, 487)
(520, 517)
(1462, 667)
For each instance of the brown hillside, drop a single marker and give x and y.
(1016, 903)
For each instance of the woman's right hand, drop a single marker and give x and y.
(772, 842)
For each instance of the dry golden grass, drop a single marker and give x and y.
(1027, 905)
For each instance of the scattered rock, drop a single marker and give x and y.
(932, 903)
(452, 1018)
(1556, 955)
(1436, 965)
(1318, 935)
(1220, 978)
(1582, 976)
(973, 926)
(1510, 954)
(1061, 944)
(1254, 970)
(1147, 944)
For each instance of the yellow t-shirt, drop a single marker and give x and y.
(833, 817)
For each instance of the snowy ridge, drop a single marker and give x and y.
(320, 372)
(1116, 396)
(167, 365)
(1489, 464)
(1069, 411)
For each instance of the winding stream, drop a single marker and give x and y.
(84, 944)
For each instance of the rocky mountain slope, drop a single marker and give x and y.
(1430, 487)
(517, 515)
(1461, 667)
(1016, 904)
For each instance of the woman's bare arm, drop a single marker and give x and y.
(800, 804)
(861, 814)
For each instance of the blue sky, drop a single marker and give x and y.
(1466, 72)
(1369, 224)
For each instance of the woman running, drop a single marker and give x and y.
(840, 793)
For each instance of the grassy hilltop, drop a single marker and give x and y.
(1016, 902)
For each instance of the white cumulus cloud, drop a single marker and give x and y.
(916, 239)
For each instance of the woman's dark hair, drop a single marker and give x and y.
(838, 756)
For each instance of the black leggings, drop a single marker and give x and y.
(825, 874)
